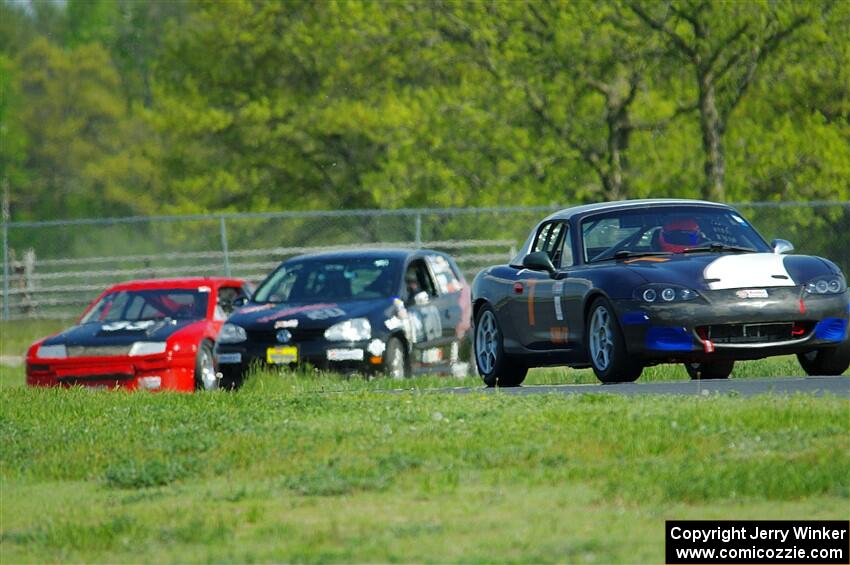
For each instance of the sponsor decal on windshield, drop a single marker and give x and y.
(258, 308)
(286, 312)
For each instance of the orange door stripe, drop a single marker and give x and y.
(531, 284)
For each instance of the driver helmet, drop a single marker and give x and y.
(679, 234)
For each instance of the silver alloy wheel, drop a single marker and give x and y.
(601, 339)
(208, 378)
(397, 364)
(486, 341)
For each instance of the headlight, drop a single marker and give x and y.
(664, 293)
(826, 285)
(231, 333)
(356, 329)
(52, 352)
(147, 348)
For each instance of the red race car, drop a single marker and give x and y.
(153, 334)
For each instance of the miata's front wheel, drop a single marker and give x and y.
(826, 362)
(494, 366)
(606, 346)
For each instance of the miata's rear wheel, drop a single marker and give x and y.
(494, 366)
(606, 346)
(710, 370)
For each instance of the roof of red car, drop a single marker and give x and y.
(187, 282)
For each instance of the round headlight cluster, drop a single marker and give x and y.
(666, 294)
(830, 285)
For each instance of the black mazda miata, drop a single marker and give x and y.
(623, 285)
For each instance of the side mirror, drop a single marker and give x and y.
(782, 246)
(538, 261)
(240, 301)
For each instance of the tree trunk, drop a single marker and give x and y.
(614, 186)
(619, 130)
(712, 140)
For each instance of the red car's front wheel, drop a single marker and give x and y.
(205, 378)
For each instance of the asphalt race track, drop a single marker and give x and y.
(817, 386)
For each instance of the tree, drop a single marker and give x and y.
(13, 143)
(85, 156)
(725, 44)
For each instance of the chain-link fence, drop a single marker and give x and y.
(52, 269)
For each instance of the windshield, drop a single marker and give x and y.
(666, 230)
(149, 304)
(337, 280)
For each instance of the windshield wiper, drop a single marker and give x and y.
(623, 254)
(719, 248)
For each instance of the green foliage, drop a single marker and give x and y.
(134, 107)
(91, 158)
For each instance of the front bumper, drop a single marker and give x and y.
(683, 330)
(345, 356)
(151, 373)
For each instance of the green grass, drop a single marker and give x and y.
(314, 381)
(280, 471)
(310, 466)
(17, 336)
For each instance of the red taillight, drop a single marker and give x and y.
(518, 288)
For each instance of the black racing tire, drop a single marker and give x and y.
(720, 369)
(205, 378)
(232, 377)
(396, 364)
(607, 350)
(494, 365)
(831, 361)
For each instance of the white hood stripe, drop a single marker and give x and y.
(747, 271)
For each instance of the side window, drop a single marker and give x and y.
(417, 279)
(226, 296)
(551, 239)
(565, 250)
(542, 237)
(446, 279)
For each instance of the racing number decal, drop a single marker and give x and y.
(559, 335)
(531, 284)
(557, 291)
